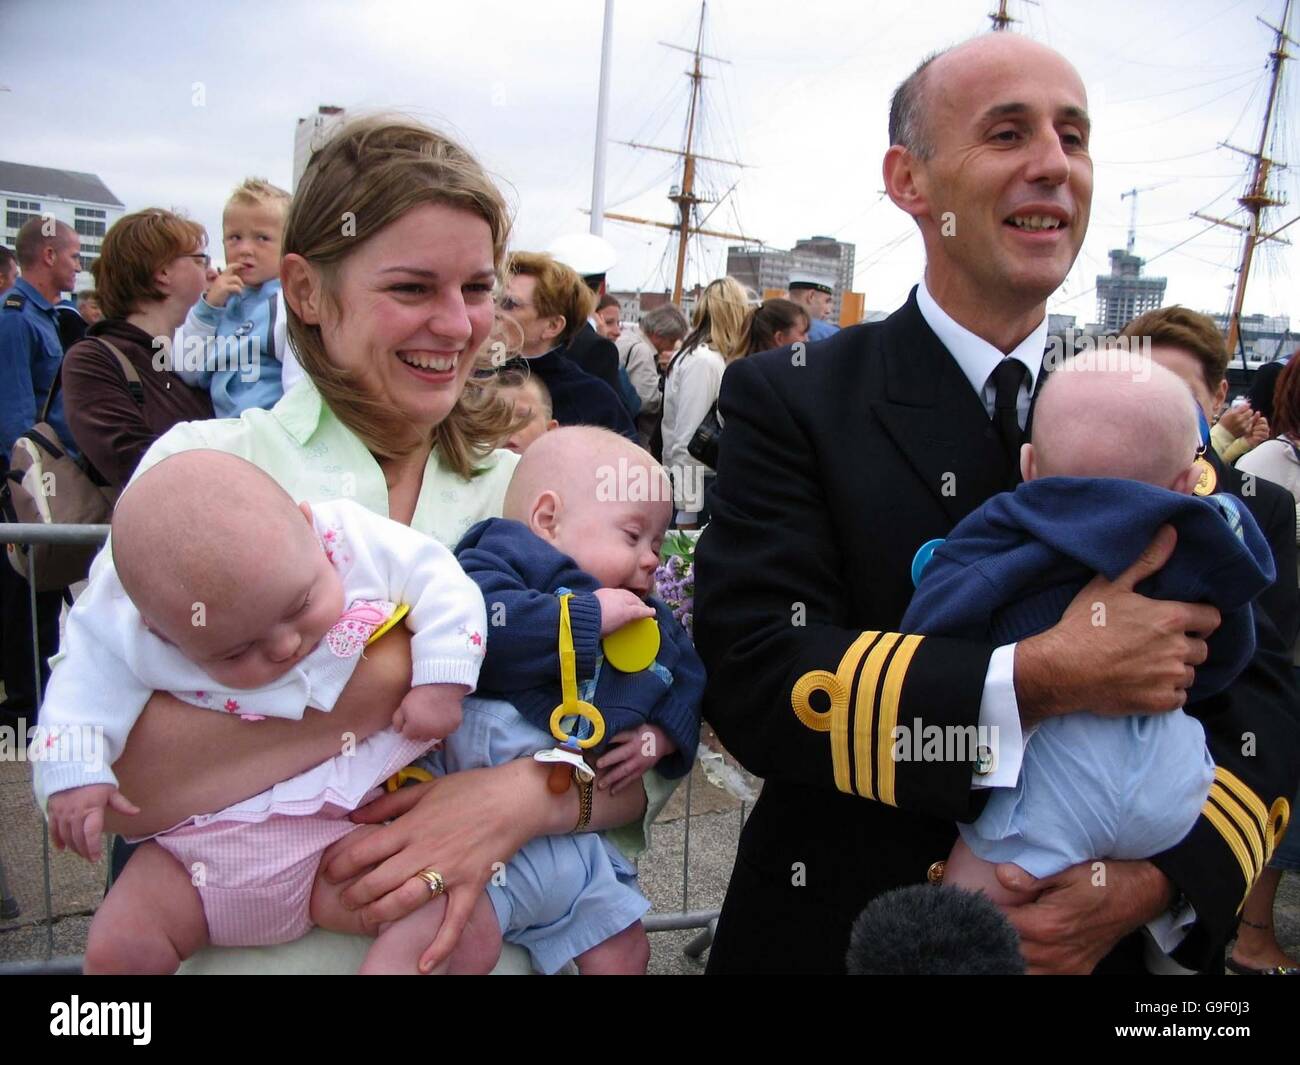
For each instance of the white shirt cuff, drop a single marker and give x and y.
(1000, 722)
(1170, 928)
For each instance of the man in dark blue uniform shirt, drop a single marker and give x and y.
(49, 254)
(817, 298)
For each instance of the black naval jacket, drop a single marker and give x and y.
(597, 355)
(1274, 511)
(836, 466)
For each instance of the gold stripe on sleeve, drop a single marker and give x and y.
(890, 699)
(863, 759)
(1246, 824)
(1278, 817)
(835, 720)
(1244, 795)
(1215, 816)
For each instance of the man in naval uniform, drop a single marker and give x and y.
(840, 461)
(816, 298)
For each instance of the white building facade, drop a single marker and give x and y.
(310, 133)
(77, 199)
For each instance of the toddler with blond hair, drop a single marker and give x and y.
(235, 341)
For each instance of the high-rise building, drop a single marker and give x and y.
(79, 200)
(1125, 293)
(820, 258)
(310, 133)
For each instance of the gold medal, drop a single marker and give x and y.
(1209, 480)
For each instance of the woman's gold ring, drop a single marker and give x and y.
(434, 879)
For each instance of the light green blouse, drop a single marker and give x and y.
(315, 457)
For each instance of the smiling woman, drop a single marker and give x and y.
(399, 268)
(392, 247)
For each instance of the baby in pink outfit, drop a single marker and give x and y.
(223, 592)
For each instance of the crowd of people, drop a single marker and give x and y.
(401, 429)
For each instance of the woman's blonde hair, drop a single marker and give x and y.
(719, 319)
(370, 173)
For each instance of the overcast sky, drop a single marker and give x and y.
(111, 88)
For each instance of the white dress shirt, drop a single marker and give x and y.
(977, 358)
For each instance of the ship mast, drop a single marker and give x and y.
(1257, 198)
(1000, 19)
(686, 199)
(684, 195)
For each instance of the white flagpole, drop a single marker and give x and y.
(602, 116)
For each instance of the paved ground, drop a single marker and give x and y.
(76, 886)
(715, 816)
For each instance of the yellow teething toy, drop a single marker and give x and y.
(397, 615)
(412, 774)
(634, 647)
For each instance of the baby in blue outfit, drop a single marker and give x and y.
(585, 516)
(1112, 460)
(234, 342)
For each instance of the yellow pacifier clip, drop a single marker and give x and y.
(565, 759)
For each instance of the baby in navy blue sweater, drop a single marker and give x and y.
(585, 516)
(1112, 460)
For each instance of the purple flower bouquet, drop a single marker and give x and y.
(675, 578)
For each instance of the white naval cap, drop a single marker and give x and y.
(818, 284)
(584, 253)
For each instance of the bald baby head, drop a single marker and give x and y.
(202, 527)
(580, 462)
(1091, 420)
(598, 498)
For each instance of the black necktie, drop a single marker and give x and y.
(1007, 379)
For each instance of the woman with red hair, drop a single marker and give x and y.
(151, 271)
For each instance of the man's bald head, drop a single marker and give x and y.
(574, 462)
(1138, 422)
(911, 107)
(198, 528)
(37, 235)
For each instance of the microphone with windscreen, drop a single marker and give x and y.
(931, 930)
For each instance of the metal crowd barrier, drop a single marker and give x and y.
(18, 533)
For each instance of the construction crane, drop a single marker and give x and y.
(1133, 211)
